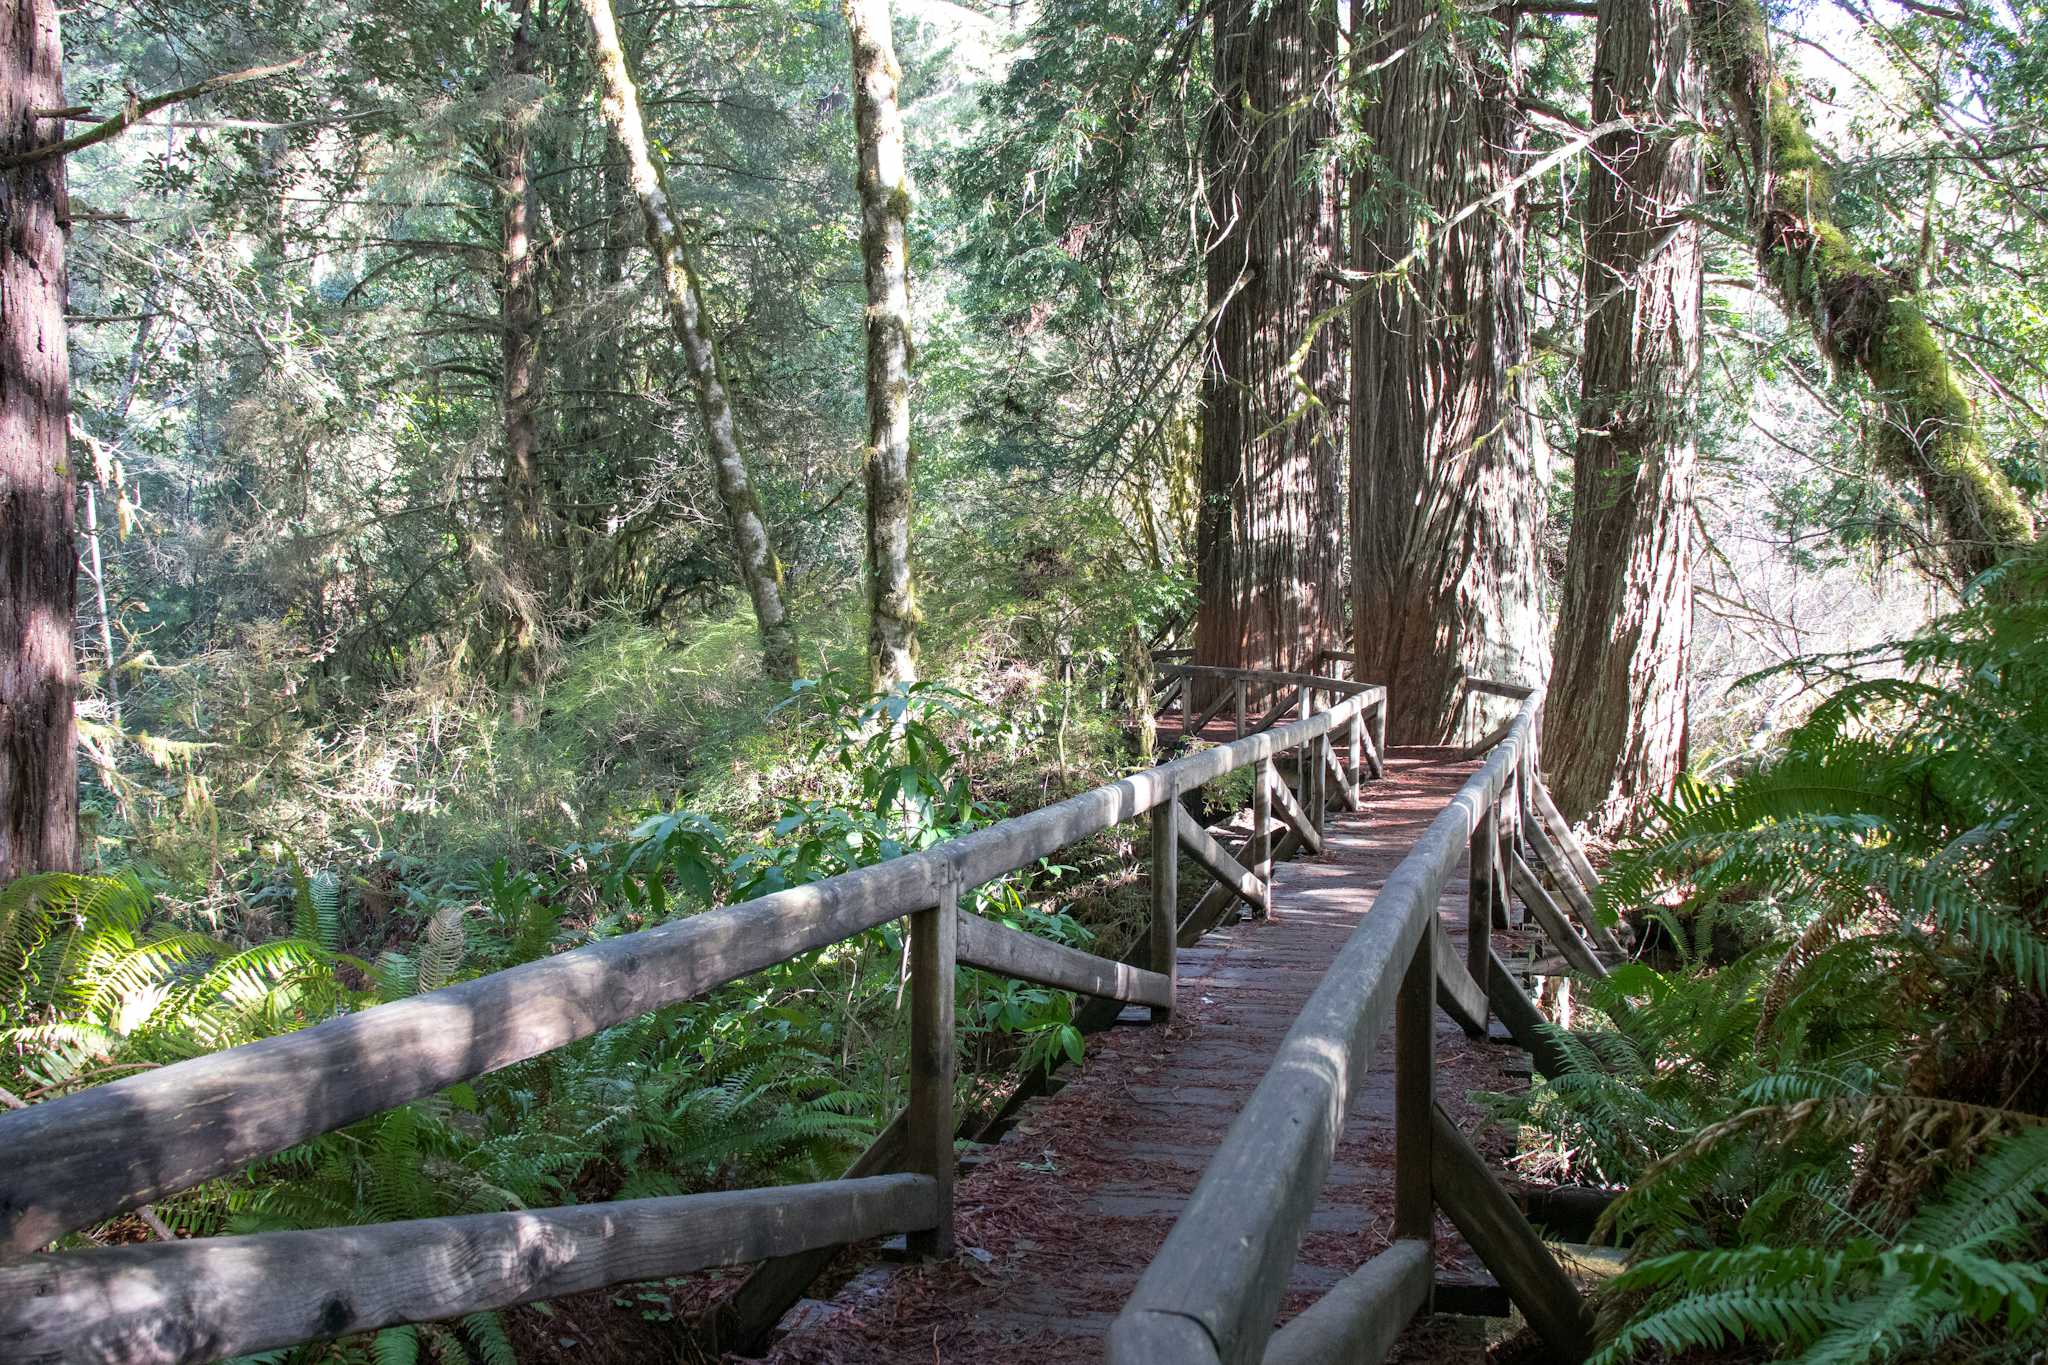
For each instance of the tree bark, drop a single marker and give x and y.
(1446, 496)
(38, 560)
(1624, 630)
(1269, 529)
(526, 590)
(1863, 317)
(884, 183)
(753, 552)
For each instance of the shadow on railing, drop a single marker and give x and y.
(74, 1161)
(1213, 1290)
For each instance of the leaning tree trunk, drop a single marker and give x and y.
(1445, 489)
(1624, 630)
(1863, 317)
(526, 592)
(884, 184)
(38, 562)
(759, 569)
(1269, 528)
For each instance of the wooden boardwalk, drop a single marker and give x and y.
(1058, 1219)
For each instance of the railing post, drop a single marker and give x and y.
(1479, 885)
(1166, 889)
(1354, 743)
(1415, 1091)
(1239, 688)
(934, 939)
(1262, 826)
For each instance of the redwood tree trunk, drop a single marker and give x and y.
(753, 552)
(884, 184)
(38, 561)
(1269, 530)
(1624, 628)
(1445, 486)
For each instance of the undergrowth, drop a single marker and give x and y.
(1830, 1108)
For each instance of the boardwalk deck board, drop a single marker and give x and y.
(1059, 1219)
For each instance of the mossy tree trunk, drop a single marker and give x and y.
(1624, 629)
(1269, 527)
(38, 559)
(525, 596)
(884, 183)
(754, 553)
(1446, 496)
(1864, 318)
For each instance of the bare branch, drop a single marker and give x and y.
(140, 109)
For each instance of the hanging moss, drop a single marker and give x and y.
(1863, 317)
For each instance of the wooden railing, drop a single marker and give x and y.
(73, 1162)
(1213, 1290)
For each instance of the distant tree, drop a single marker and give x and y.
(1624, 629)
(754, 553)
(1445, 496)
(1270, 524)
(884, 182)
(519, 354)
(38, 560)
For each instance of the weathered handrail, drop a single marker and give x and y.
(75, 1160)
(1211, 1293)
(230, 1296)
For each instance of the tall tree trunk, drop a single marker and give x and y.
(1863, 317)
(526, 595)
(38, 561)
(1445, 489)
(1269, 535)
(1624, 630)
(885, 257)
(759, 569)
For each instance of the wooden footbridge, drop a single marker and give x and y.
(1269, 1150)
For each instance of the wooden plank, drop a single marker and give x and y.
(1225, 1265)
(1524, 1022)
(1561, 830)
(200, 1300)
(1273, 715)
(997, 947)
(1288, 808)
(75, 1160)
(1357, 1321)
(1209, 910)
(1263, 677)
(1554, 921)
(1259, 852)
(1480, 903)
(1508, 1246)
(1558, 862)
(1456, 991)
(1200, 723)
(1217, 862)
(1512, 691)
(1166, 894)
(1415, 1091)
(1333, 770)
(1237, 693)
(743, 1319)
(934, 949)
(1491, 738)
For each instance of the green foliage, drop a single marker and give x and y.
(1828, 1111)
